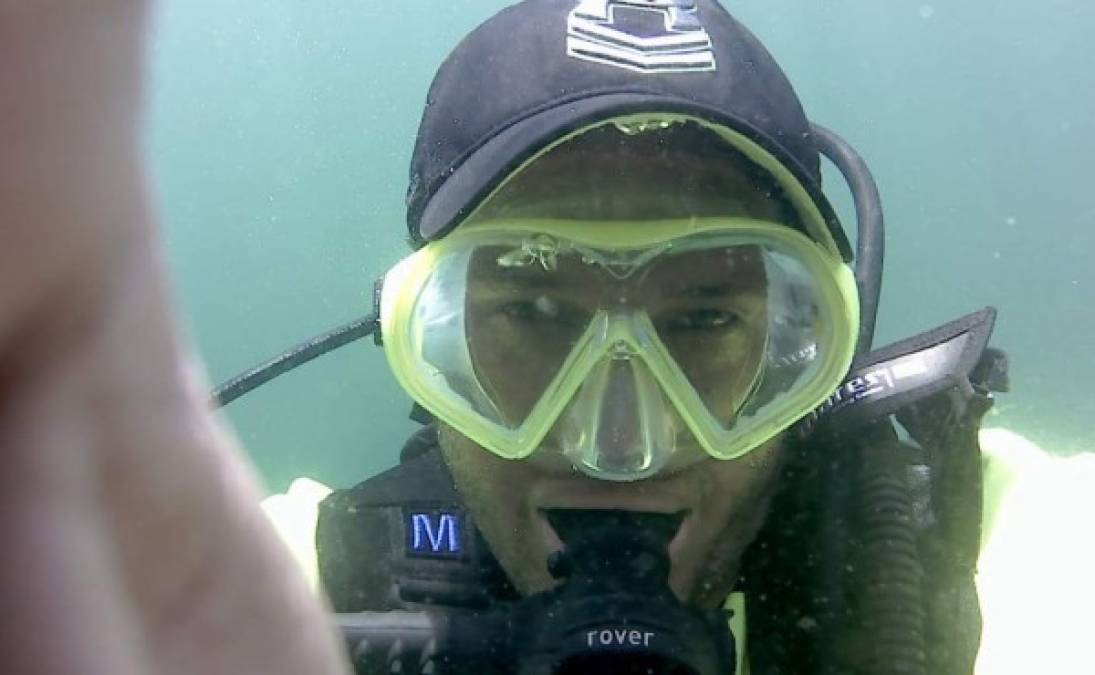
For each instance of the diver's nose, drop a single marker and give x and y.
(620, 425)
(619, 434)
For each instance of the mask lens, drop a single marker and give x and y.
(709, 307)
(526, 310)
(744, 323)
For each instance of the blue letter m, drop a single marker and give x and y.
(436, 533)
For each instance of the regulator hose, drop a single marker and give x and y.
(891, 589)
(293, 357)
(870, 247)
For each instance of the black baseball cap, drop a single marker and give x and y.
(541, 69)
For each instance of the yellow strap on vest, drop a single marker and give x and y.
(736, 604)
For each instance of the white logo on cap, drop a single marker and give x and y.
(682, 46)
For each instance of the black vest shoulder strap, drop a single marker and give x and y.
(403, 538)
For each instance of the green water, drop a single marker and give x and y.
(281, 131)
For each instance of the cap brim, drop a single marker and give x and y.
(489, 164)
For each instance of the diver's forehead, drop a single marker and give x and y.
(607, 175)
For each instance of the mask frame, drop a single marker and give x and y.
(408, 281)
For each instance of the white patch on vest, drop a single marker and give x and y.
(684, 45)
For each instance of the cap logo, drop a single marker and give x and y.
(673, 40)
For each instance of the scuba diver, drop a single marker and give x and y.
(641, 353)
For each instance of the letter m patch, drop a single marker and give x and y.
(433, 533)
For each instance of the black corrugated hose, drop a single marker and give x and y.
(889, 597)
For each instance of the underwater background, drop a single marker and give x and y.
(280, 135)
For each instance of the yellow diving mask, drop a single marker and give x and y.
(627, 348)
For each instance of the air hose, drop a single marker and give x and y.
(890, 595)
(870, 244)
(293, 357)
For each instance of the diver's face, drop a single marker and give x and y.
(709, 313)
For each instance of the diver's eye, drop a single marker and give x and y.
(703, 320)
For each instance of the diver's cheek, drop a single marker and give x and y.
(731, 503)
(687, 551)
(497, 493)
(682, 579)
(523, 552)
(705, 515)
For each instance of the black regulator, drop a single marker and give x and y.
(613, 612)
